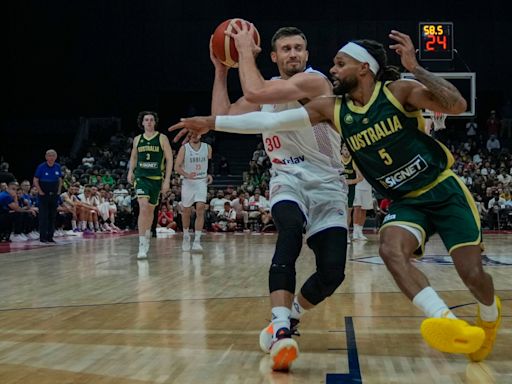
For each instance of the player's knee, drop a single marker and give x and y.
(393, 256)
(322, 285)
(282, 277)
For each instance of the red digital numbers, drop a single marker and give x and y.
(435, 41)
(272, 143)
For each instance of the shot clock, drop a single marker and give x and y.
(435, 41)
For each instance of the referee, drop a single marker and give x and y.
(48, 181)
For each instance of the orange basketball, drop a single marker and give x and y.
(223, 46)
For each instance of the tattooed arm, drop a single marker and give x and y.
(434, 92)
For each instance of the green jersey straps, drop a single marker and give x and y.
(150, 157)
(389, 144)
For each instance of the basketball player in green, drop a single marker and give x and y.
(352, 176)
(380, 120)
(151, 154)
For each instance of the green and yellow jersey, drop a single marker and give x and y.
(150, 157)
(389, 144)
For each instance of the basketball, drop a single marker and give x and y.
(223, 46)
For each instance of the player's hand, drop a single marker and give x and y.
(191, 175)
(129, 178)
(405, 48)
(219, 67)
(244, 38)
(193, 126)
(209, 179)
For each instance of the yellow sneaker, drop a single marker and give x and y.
(490, 328)
(452, 335)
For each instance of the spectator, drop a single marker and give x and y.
(471, 128)
(166, 218)
(467, 179)
(504, 177)
(226, 219)
(88, 160)
(506, 119)
(5, 175)
(224, 168)
(48, 181)
(108, 179)
(493, 144)
(217, 203)
(120, 193)
(95, 178)
(241, 207)
(493, 125)
(495, 208)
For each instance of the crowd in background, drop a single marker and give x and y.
(96, 198)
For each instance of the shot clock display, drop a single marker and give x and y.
(436, 41)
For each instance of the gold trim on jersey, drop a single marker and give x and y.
(348, 161)
(364, 108)
(152, 137)
(442, 176)
(421, 247)
(337, 111)
(449, 156)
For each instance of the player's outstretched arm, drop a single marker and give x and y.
(320, 109)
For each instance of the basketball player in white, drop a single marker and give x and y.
(192, 164)
(307, 190)
(363, 201)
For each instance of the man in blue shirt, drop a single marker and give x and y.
(48, 181)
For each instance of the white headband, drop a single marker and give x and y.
(361, 54)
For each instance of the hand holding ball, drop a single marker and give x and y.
(223, 45)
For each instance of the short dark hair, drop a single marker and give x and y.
(286, 32)
(141, 115)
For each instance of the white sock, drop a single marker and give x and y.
(83, 225)
(280, 318)
(297, 309)
(73, 224)
(488, 312)
(357, 230)
(142, 241)
(431, 304)
(197, 237)
(91, 225)
(186, 234)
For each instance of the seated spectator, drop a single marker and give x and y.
(13, 218)
(495, 208)
(217, 203)
(493, 144)
(166, 218)
(241, 207)
(108, 179)
(120, 193)
(95, 178)
(504, 177)
(88, 160)
(226, 219)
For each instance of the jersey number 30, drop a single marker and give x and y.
(272, 143)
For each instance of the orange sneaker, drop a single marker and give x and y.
(284, 350)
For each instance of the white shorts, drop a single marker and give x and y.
(193, 191)
(363, 198)
(323, 202)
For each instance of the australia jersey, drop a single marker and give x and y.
(150, 157)
(348, 168)
(389, 144)
(314, 151)
(196, 161)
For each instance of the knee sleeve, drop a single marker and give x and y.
(330, 248)
(289, 221)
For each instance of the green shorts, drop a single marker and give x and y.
(148, 188)
(351, 195)
(447, 209)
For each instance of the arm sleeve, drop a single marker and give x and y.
(264, 122)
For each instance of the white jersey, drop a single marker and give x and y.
(196, 161)
(308, 151)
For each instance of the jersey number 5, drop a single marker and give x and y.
(385, 156)
(272, 143)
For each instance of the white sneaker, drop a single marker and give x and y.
(196, 246)
(33, 235)
(17, 238)
(143, 253)
(186, 243)
(362, 237)
(348, 240)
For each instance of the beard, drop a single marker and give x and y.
(291, 70)
(346, 85)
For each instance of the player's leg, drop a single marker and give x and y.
(460, 229)
(199, 224)
(185, 219)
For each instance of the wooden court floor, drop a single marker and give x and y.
(89, 312)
